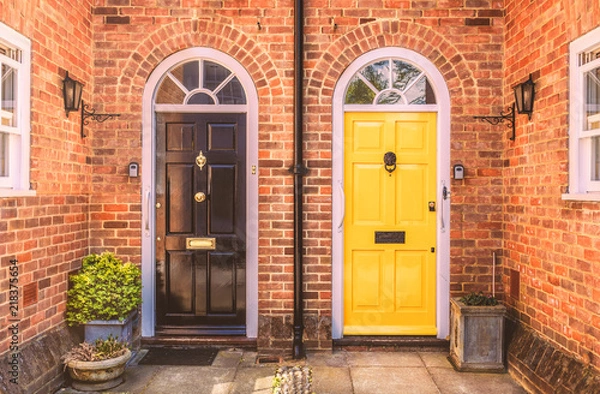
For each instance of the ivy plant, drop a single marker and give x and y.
(104, 288)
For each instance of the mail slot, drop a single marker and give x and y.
(389, 237)
(200, 243)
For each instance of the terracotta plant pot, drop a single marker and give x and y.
(98, 375)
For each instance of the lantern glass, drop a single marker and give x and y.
(72, 91)
(524, 94)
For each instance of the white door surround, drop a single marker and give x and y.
(149, 167)
(442, 107)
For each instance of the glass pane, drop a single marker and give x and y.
(378, 74)
(9, 96)
(418, 92)
(232, 93)
(3, 154)
(188, 74)
(595, 159)
(359, 92)
(214, 74)
(592, 92)
(201, 98)
(169, 93)
(390, 97)
(403, 74)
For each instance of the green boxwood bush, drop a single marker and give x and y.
(103, 289)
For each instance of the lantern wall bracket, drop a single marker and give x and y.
(88, 114)
(507, 117)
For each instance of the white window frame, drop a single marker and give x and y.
(16, 184)
(581, 187)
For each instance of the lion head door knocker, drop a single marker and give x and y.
(389, 159)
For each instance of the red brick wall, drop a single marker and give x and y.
(48, 233)
(462, 37)
(552, 244)
(509, 202)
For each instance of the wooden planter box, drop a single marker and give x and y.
(477, 337)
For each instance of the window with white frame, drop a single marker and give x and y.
(584, 114)
(15, 70)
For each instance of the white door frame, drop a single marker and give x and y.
(442, 107)
(148, 181)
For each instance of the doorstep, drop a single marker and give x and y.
(218, 341)
(391, 343)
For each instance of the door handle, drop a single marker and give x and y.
(199, 197)
(343, 205)
(147, 214)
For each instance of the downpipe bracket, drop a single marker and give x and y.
(298, 169)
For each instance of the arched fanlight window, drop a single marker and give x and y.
(389, 81)
(200, 82)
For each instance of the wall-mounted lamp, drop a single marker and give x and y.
(524, 94)
(72, 91)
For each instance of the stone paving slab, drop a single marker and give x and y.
(452, 382)
(368, 380)
(384, 359)
(340, 372)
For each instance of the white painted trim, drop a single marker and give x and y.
(443, 170)
(17, 184)
(579, 144)
(149, 169)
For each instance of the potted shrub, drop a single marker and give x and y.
(477, 333)
(104, 297)
(97, 366)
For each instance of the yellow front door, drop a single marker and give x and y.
(390, 224)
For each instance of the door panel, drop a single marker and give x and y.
(200, 195)
(389, 231)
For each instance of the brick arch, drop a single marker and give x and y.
(391, 33)
(201, 33)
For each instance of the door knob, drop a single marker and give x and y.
(200, 197)
(201, 160)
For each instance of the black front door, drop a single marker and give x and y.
(201, 224)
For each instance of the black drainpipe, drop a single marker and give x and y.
(299, 170)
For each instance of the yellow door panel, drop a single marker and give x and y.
(389, 230)
(412, 137)
(369, 188)
(410, 189)
(370, 267)
(368, 136)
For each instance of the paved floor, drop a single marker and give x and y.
(340, 372)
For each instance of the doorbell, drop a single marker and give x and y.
(459, 172)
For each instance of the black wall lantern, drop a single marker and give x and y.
(72, 91)
(524, 94)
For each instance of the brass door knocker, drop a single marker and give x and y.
(201, 160)
(389, 160)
